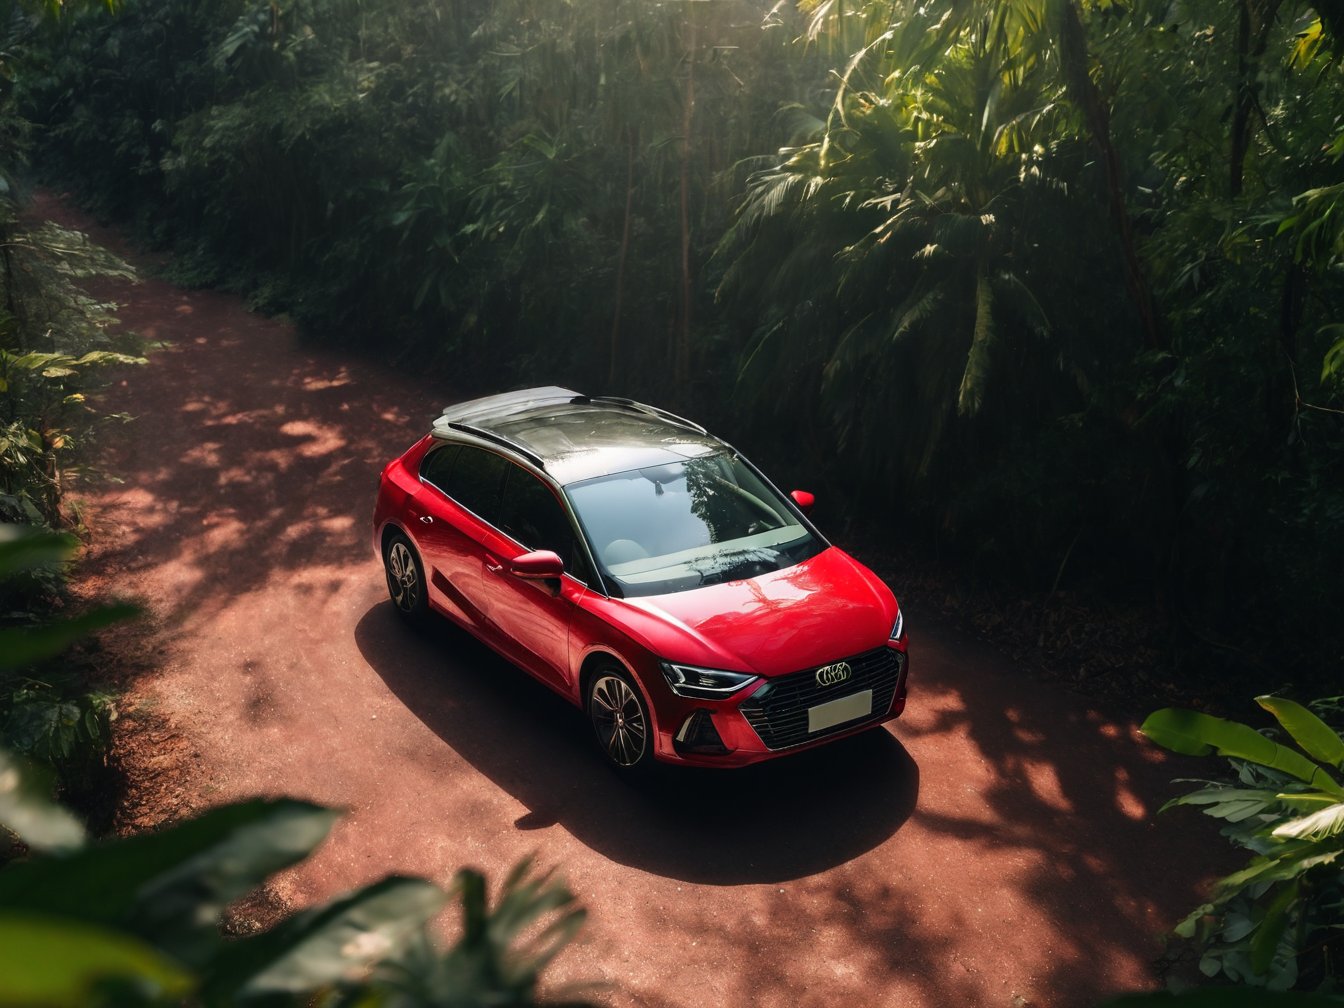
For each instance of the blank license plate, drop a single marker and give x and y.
(828, 715)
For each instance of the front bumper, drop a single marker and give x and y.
(771, 717)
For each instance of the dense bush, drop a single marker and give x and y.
(54, 342)
(49, 712)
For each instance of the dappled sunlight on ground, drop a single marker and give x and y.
(996, 843)
(238, 467)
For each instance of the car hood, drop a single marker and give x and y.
(824, 609)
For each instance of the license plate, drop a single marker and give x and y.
(828, 715)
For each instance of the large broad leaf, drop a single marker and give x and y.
(22, 646)
(1316, 738)
(1232, 804)
(1265, 945)
(317, 948)
(170, 887)
(1195, 734)
(21, 549)
(1319, 825)
(27, 809)
(46, 962)
(1287, 865)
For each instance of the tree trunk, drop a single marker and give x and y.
(1254, 20)
(681, 360)
(621, 258)
(1084, 93)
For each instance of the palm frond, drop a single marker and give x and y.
(1011, 288)
(922, 305)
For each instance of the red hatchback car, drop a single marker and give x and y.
(645, 570)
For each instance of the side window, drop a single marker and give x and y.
(474, 478)
(531, 515)
(435, 466)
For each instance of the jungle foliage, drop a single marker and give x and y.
(138, 921)
(1055, 283)
(1277, 922)
(55, 340)
(49, 713)
(143, 920)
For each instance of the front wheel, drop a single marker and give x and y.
(620, 721)
(405, 579)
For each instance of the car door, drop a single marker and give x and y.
(532, 618)
(460, 487)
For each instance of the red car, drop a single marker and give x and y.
(645, 570)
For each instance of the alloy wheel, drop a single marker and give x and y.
(618, 718)
(403, 579)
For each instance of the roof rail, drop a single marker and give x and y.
(489, 435)
(640, 407)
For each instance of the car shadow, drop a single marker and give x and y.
(785, 819)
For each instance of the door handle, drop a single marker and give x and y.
(427, 519)
(493, 568)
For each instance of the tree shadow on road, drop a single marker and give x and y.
(1032, 856)
(781, 820)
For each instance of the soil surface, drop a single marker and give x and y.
(996, 846)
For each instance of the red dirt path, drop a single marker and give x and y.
(994, 847)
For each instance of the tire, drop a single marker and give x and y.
(405, 579)
(620, 721)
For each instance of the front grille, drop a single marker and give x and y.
(778, 710)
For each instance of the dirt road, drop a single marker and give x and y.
(995, 847)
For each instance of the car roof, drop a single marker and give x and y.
(575, 437)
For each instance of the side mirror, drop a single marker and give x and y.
(803, 499)
(539, 565)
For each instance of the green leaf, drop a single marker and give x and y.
(25, 645)
(1300, 800)
(316, 948)
(1332, 366)
(108, 357)
(46, 962)
(42, 726)
(1316, 738)
(1186, 928)
(1236, 927)
(1194, 734)
(1317, 826)
(1232, 804)
(1267, 938)
(490, 957)
(22, 549)
(1281, 868)
(170, 887)
(27, 809)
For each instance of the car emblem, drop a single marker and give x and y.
(829, 675)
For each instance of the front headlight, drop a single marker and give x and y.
(898, 629)
(707, 684)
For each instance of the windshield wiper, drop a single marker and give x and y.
(741, 570)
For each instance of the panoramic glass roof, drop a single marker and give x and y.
(579, 440)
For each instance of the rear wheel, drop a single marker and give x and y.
(620, 720)
(405, 579)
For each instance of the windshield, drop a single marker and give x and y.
(672, 527)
